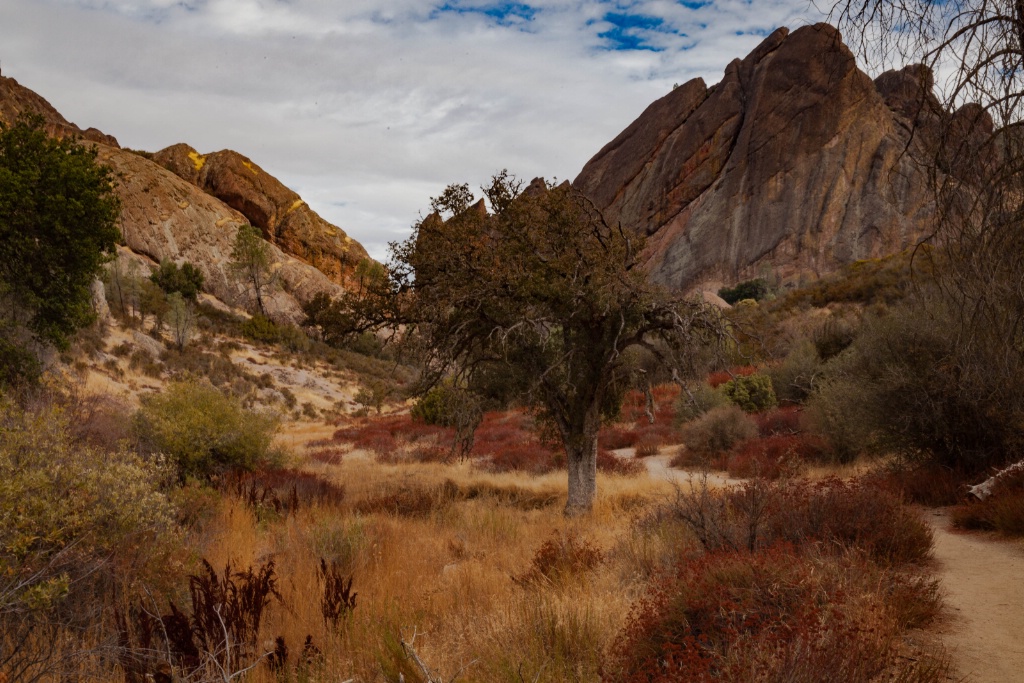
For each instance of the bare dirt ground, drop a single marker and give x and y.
(983, 581)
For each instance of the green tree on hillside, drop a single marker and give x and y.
(542, 294)
(251, 264)
(58, 223)
(187, 280)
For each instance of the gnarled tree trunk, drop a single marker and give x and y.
(582, 463)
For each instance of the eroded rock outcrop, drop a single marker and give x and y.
(167, 217)
(795, 163)
(285, 219)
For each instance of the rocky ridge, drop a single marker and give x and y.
(166, 217)
(285, 219)
(795, 164)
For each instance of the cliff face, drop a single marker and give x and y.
(280, 213)
(795, 163)
(172, 216)
(165, 217)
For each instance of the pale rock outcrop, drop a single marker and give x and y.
(165, 217)
(285, 219)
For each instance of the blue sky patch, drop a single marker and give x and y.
(501, 13)
(632, 31)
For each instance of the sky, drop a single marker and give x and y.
(368, 108)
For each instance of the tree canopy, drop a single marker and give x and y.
(540, 294)
(58, 223)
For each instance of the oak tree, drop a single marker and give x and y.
(58, 224)
(542, 293)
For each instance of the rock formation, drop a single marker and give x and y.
(166, 217)
(280, 213)
(794, 164)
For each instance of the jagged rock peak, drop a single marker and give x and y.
(794, 162)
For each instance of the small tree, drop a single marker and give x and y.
(251, 264)
(181, 317)
(58, 218)
(186, 280)
(542, 293)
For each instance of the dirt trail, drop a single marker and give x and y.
(983, 582)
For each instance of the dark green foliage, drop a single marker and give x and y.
(261, 328)
(58, 219)
(750, 289)
(908, 385)
(186, 280)
(250, 264)
(753, 393)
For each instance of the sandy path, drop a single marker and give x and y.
(983, 582)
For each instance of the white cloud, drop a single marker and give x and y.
(367, 107)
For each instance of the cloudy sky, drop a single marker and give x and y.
(367, 108)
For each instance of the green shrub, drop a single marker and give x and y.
(203, 431)
(186, 280)
(262, 329)
(794, 379)
(908, 386)
(752, 393)
(75, 520)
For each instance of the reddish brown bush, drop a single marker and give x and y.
(327, 455)
(531, 457)
(283, 491)
(772, 456)
(1002, 511)
(785, 420)
(561, 558)
(926, 483)
(410, 501)
(616, 437)
(717, 379)
(610, 463)
(850, 514)
(768, 616)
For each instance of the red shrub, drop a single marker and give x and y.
(717, 379)
(634, 406)
(383, 436)
(560, 558)
(726, 615)
(612, 464)
(784, 420)
(614, 438)
(327, 456)
(925, 483)
(770, 456)
(529, 457)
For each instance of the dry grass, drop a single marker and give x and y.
(433, 549)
